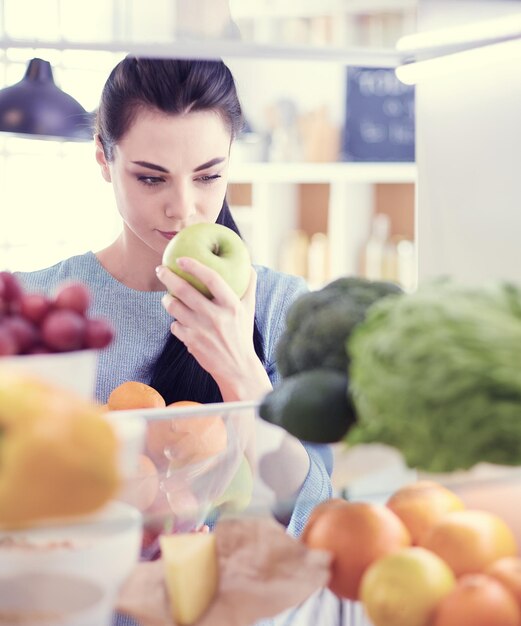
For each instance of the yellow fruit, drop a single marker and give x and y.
(58, 454)
(470, 540)
(421, 504)
(357, 534)
(404, 588)
(191, 573)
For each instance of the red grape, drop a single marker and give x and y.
(24, 332)
(8, 343)
(33, 323)
(99, 333)
(74, 296)
(63, 330)
(39, 349)
(12, 290)
(34, 306)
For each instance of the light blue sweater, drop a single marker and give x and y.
(142, 327)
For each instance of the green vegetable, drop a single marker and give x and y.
(319, 322)
(312, 406)
(437, 374)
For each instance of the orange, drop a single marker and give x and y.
(478, 600)
(470, 540)
(508, 571)
(183, 440)
(134, 395)
(421, 504)
(357, 534)
(142, 489)
(316, 512)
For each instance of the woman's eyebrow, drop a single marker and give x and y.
(210, 163)
(151, 166)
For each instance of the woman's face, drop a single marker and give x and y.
(168, 171)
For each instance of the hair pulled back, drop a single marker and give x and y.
(172, 86)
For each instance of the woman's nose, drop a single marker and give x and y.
(180, 203)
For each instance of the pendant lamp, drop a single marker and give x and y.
(36, 106)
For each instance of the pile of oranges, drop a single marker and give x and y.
(176, 441)
(170, 444)
(421, 559)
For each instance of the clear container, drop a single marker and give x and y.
(192, 464)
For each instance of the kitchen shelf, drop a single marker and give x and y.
(323, 172)
(254, 9)
(223, 48)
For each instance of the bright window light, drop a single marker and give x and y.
(460, 62)
(501, 28)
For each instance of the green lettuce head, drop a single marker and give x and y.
(437, 374)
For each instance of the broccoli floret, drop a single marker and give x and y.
(318, 324)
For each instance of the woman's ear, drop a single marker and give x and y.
(101, 159)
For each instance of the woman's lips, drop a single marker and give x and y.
(167, 234)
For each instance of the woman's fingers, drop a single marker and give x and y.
(182, 290)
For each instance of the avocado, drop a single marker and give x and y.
(313, 406)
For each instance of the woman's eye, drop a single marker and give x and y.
(209, 179)
(150, 181)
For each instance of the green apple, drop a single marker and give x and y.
(237, 496)
(217, 247)
(404, 587)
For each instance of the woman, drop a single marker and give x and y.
(163, 137)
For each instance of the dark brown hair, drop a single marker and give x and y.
(174, 87)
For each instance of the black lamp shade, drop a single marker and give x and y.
(36, 106)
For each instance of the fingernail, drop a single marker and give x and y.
(158, 269)
(166, 299)
(181, 262)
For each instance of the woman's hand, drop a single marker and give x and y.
(217, 332)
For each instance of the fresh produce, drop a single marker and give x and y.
(357, 534)
(421, 504)
(191, 573)
(217, 247)
(458, 576)
(58, 455)
(141, 489)
(436, 375)
(133, 394)
(508, 572)
(405, 587)
(32, 323)
(318, 324)
(237, 495)
(194, 438)
(470, 540)
(478, 600)
(313, 405)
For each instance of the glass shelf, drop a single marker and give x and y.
(222, 48)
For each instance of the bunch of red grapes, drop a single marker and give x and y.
(32, 323)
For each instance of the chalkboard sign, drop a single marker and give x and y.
(379, 116)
